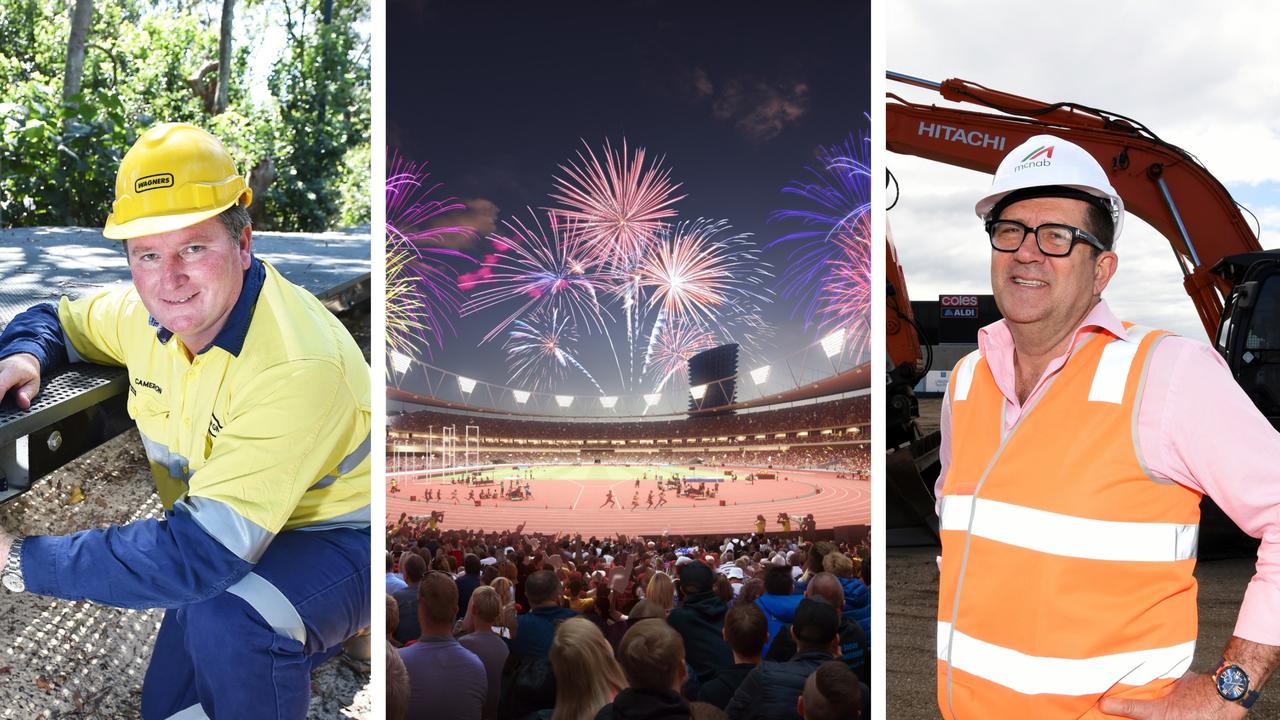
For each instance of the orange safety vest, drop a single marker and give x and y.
(1066, 567)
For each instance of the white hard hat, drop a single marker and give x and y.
(1045, 161)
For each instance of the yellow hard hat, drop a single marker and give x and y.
(174, 176)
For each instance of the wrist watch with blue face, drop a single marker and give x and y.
(1233, 684)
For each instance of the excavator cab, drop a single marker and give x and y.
(1248, 335)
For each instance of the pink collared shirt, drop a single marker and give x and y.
(1197, 428)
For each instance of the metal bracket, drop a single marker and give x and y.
(77, 410)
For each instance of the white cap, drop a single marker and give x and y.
(1045, 161)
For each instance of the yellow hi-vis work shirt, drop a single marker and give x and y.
(251, 441)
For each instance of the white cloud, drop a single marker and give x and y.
(1199, 75)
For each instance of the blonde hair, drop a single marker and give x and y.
(661, 591)
(503, 586)
(838, 564)
(486, 606)
(397, 685)
(587, 675)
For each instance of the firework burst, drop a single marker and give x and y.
(704, 273)
(539, 350)
(836, 200)
(846, 298)
(421, 292)
(619, 205)
(542, 269)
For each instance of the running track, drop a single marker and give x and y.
(571, 506)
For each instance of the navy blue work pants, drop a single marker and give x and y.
(248, 652)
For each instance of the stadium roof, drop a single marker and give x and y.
(859, 378)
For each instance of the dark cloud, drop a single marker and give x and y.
(702, 83)
(480, 216)
(759, 109)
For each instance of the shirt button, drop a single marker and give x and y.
(186, 421)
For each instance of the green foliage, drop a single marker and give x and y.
(353, 203)
(324, 109)
(59, 159)
(143, 59)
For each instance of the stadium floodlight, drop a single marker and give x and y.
(608, 401)
(400, 362)
(698, 391)
(564, 401)
(466, 385)
(760, 375)
(652, 399)
(833, 343)
(521, 396)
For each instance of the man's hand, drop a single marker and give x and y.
(21, 374)
(6, 541)
(1194, 697)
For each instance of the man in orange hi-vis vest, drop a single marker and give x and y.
(1075, 452)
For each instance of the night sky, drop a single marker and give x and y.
(736, 96)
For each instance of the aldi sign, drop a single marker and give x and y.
(959, 306)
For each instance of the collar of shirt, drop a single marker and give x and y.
(231, 336)
(995, 342)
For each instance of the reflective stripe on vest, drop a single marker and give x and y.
(1066, 571)
(1069, 536)
(964, 374)
(1032, 675)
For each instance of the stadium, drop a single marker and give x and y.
(711, 474)
(577, 528)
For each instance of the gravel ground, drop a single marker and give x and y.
(62, 659)
(911, 578)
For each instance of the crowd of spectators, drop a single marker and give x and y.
(835, 415)
(516, 625)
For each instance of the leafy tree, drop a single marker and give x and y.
(142, 64)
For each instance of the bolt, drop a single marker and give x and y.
(55, 441)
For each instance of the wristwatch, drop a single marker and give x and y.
(1233, 684)
(11, 576)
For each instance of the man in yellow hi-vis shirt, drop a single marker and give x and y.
(252, 402)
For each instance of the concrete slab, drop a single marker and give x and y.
(44, 263)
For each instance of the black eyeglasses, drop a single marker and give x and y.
(1053, 239)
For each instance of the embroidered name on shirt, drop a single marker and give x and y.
(214, 426)
(147, 384)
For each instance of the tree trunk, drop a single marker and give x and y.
(81, 17)
(224, 56)
(324, 95)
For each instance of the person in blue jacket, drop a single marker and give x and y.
(252, 402)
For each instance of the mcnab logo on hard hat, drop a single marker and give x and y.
(1046, 151)
(153, 182)
(1032, 158)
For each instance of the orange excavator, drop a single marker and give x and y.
(1233, 283)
